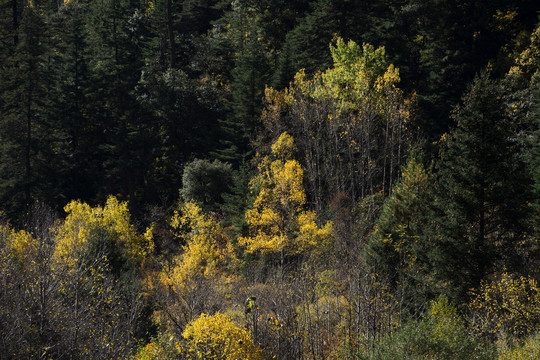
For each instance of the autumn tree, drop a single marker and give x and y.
(96, 256)
(217, 337)
(350, 123)
(279, 222)
(189, 285)
(28, 308)
(508, 305)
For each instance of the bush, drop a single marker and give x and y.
(217, 337)
(528, 349)
(205, 182)
(441, 334)
(509, 304)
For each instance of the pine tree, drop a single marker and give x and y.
(115, 41)
(534, 157)
(77, 173)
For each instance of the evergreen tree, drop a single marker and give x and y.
(206, 182)
(483, 194)
(398, 247)
(24, 109)
(443, 44)
(78, 136)
(115, 42)
(534, 157)
(248, 82)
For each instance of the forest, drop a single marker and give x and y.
(270, 179)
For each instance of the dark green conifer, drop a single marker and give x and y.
(249, 79)
(481, 209)
(24, 108)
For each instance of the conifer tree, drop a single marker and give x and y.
(24, 111)
(483, 194)
(398, 247)
(248, 82)
(78, 137)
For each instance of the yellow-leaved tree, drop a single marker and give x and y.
(279, 221)
(201, 254)
(96, 258)
(27, 289)
(218, 337)
(105, 228)
(510, 304)
(192, 282)
(351, 122)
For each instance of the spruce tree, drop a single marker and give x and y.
(78, 137)
(23, 123)
(398, 247)
(481, 209)
(248, 83)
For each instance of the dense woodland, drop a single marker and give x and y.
(269, 179)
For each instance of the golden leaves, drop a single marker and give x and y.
(511, 303)
(217, 337)
(278, 219)
(112, 220)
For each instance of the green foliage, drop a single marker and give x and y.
(237, 202)
(25, 108)
(206, 182)
(528, 349)
(119, 96)
(398, 247)
(534, 156)
(482, 210)
(249, 78)
(441, 334)
(350, 123)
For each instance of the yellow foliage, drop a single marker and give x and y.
(284, 147)
(18, 247)
(23, 246)
(511, 304)
(527, 62)
(159, 349)
(217, 337)
(112, 220)
(529, 349)
(448, 323)
(201, 255)
(310, 235)
(278, 219)
(288, 184)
